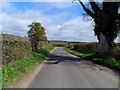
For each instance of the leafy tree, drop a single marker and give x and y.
(107, 22)
(36, 34)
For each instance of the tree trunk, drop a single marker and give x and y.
(104, 47)
(34, 44)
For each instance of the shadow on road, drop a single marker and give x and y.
(56, 59)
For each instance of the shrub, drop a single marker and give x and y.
(42, 44)
(86, 47)
(13, 73)
(14, 48)
(115, 52)
(94, 47)
(71, 45)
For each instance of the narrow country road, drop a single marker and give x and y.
(63, 70)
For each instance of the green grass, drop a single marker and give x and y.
(13, 73)
(48, 49)
(0, 78)
(59, 43)
(94, 57)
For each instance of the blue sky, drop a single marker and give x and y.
(51, 9)
(62, 20)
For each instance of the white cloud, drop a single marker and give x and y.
(119, 10)
(119, 38)
(36, 1)
(72, 30)
(77, 30)
(56, 0)
(58, 26)
(61, 5)
(6, 6)
(17, 23)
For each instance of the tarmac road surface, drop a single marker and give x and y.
(63, 70)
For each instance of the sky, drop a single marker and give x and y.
(62, 20)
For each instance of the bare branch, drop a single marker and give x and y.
(87, 10)
(95, 7)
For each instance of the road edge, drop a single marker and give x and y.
(27, 79)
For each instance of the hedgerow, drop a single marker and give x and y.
(14, 48)
(85, 47)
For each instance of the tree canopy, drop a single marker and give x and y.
(107, 21)
(36, 35)
(106, 18)
(37, 32)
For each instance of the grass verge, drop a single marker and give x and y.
(94, 57)
(13, 73)
(0, 78)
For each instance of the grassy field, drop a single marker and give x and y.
(59, 43)
(94, 57)
(63, 43)
(0, 78)
(13, 73)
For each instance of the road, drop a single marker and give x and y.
(63, 70)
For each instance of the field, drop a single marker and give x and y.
(59, 43)
(63, 43)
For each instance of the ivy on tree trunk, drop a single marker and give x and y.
(107, 22)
